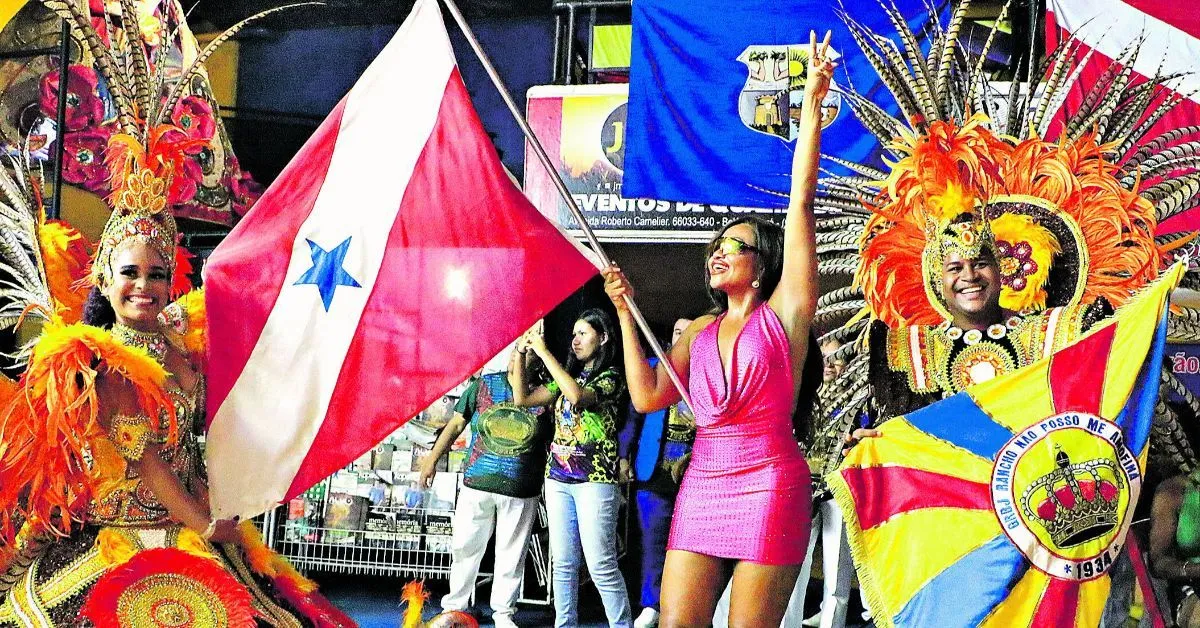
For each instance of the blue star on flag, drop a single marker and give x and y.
(327, 272)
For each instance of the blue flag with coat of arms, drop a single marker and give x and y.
(715, 88)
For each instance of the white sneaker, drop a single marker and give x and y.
(812, 622)
(648, 619)
(503, 621)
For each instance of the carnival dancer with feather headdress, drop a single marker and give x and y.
(1023, 240)
(104, 517)
(1064, 226)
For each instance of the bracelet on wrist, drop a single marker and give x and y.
(210, 530)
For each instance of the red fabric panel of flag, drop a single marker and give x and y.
(392, 258)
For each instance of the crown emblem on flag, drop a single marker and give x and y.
(1075, 503)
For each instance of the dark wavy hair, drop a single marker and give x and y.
(768, 239)
(97, 311)
(810, 381)
(600, 321)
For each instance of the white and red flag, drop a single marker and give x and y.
(1168, 33)
(390, 259)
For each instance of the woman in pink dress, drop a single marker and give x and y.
(743, 506)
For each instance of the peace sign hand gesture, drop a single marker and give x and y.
(820, 67)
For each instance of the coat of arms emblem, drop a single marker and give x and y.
(770, 101)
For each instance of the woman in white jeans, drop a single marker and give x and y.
(582, 491)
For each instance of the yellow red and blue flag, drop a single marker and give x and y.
(1006, 504)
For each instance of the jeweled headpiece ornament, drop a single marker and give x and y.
(141, 178)
(1066, 232)
(968, 235)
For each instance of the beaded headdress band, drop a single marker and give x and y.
(969, 235)
(969, 238)
(141, 185)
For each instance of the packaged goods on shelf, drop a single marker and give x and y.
(418, 455)
(379, 493)
(304, 515)
(345, 516)
(402, 458)
(439, 532)
(381, 456)
(382, 530)
(408, 530)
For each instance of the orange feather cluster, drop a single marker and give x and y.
(953, 169)
(944, 173)
(163, 154)
(414, 594)
(1117, 224)
(300, 592)
(47, 427)
(66, 254)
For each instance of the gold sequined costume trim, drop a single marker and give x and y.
(936, 359)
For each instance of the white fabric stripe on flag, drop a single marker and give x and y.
(1111, 25)
(263, 430)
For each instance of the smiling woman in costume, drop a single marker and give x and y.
(745, 498)
(112, 524)
(104, 514)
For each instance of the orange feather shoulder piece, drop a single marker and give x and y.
(187, 320)
(48, 427)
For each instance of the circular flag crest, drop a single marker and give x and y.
(1062, 489)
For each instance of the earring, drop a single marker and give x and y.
(755, 284)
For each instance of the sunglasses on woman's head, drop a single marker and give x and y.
(728, 245)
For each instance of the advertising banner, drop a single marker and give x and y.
(1185, 364)
(582, 128)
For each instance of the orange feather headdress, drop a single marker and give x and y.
(142, 177)
(1057, 211)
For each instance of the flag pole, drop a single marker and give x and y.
(563, 192)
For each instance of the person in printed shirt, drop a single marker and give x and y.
(658, 444)
(586, 397)
(501, 484)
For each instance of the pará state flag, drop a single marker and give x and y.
(1008, 503)
(715, 89)
(391, 259)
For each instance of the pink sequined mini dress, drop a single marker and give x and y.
(746, 494)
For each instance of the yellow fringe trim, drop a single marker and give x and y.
(868, 580)
(115, 548)
(265, 562)
(191, 542)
